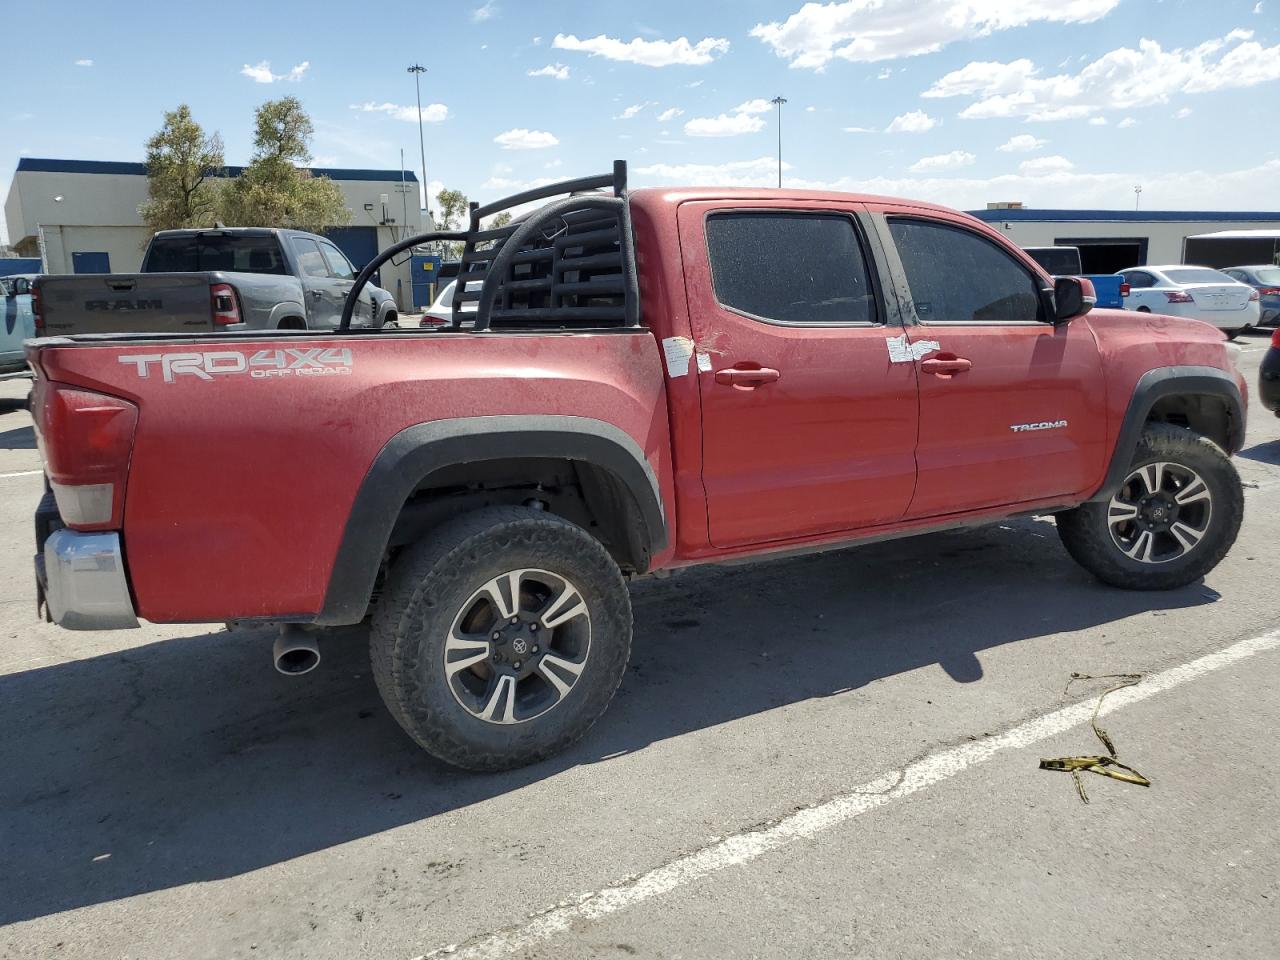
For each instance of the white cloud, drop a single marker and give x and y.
(261, 72)
(810, 109)
(537, 41)
(1121, 79)
(693, 84)
(762, 172)
(486, 12)
(522, 139)
(884, 74)
(859, 129)
(557, 70)
(917, 121)
(670, 114)
(724, 125)
(1097, 121)
(1039, 166)
(1182, 114)
(758, 105)
(944, 161)
(632, 110)
(1258, 7)
(552, 164)
(649, 53)
(870, 30)
(84, 63)
(1126, 123)
(1022, 143)
(431, 112)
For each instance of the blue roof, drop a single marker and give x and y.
(44, 165)
(1026, 215)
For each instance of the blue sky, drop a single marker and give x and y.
(1053, 102)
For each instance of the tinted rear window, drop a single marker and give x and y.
(790, 268)
(1059, 261)
(197, 253)
(1268, 275)
(1197, 275)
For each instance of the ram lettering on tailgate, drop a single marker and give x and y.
(260, 365)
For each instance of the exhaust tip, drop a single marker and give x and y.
(295, 652)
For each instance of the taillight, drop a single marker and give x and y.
(226, 310)
(86, 440)
(1124, 289)
(37, 308)
(1270, 291)
(1177, 296)
(429, 321)
(1275, 339)
(1254, 295)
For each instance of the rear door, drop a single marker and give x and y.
(808, 424)
(1011, 407)
(322, 292)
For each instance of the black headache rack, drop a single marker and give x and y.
(567, 265)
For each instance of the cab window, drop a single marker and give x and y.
(793, 268)
(956, 276)
(310, 261)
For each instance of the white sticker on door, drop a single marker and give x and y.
(678, 351)
(900, 351)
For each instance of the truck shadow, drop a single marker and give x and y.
(190, 759)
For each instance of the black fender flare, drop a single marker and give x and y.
(418, 451)
(1153, 386)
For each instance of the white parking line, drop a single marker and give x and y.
(20, 473)
(895, 785)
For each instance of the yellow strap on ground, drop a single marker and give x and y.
(1106, 766)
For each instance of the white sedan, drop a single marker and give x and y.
(1196, 292)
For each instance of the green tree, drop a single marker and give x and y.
(275, 190)
(501, 220)
(451, 214)
(181, 164)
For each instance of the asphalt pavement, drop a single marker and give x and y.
(827, 756)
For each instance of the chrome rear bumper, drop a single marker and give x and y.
(82, 578)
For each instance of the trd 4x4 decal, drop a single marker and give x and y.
(260, 365)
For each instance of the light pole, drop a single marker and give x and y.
(778, 102)
(1137, 195)
(417, 70)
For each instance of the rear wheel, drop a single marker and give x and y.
(1172, 520)
(502, 638)
(1144, 309)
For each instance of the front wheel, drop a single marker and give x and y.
(1173, 519)
(501, 638)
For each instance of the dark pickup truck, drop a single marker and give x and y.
(644, 383)
(225, 279)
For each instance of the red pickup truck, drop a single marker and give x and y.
(641, 380)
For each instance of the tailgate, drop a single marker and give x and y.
(126, 303)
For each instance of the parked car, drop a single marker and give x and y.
(1197, 292)
(226, 279)
(19, 323)
(441, 310)
(1265, 278)
(1109, 290)
(646, 385)
(1269, 376)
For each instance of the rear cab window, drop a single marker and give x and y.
(790, 267)
(227, 252)
(957, 276)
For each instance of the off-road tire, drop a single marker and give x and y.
(1085, 533)
(428, 585)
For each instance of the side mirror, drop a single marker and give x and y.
(1072, 297)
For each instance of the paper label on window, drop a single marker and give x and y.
(704, 362)
(678, 351)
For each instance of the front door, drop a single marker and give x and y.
(1011, 407)
(322, 292)
(809, 425)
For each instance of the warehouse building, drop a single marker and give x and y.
(81, 216)
(1112, 240)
